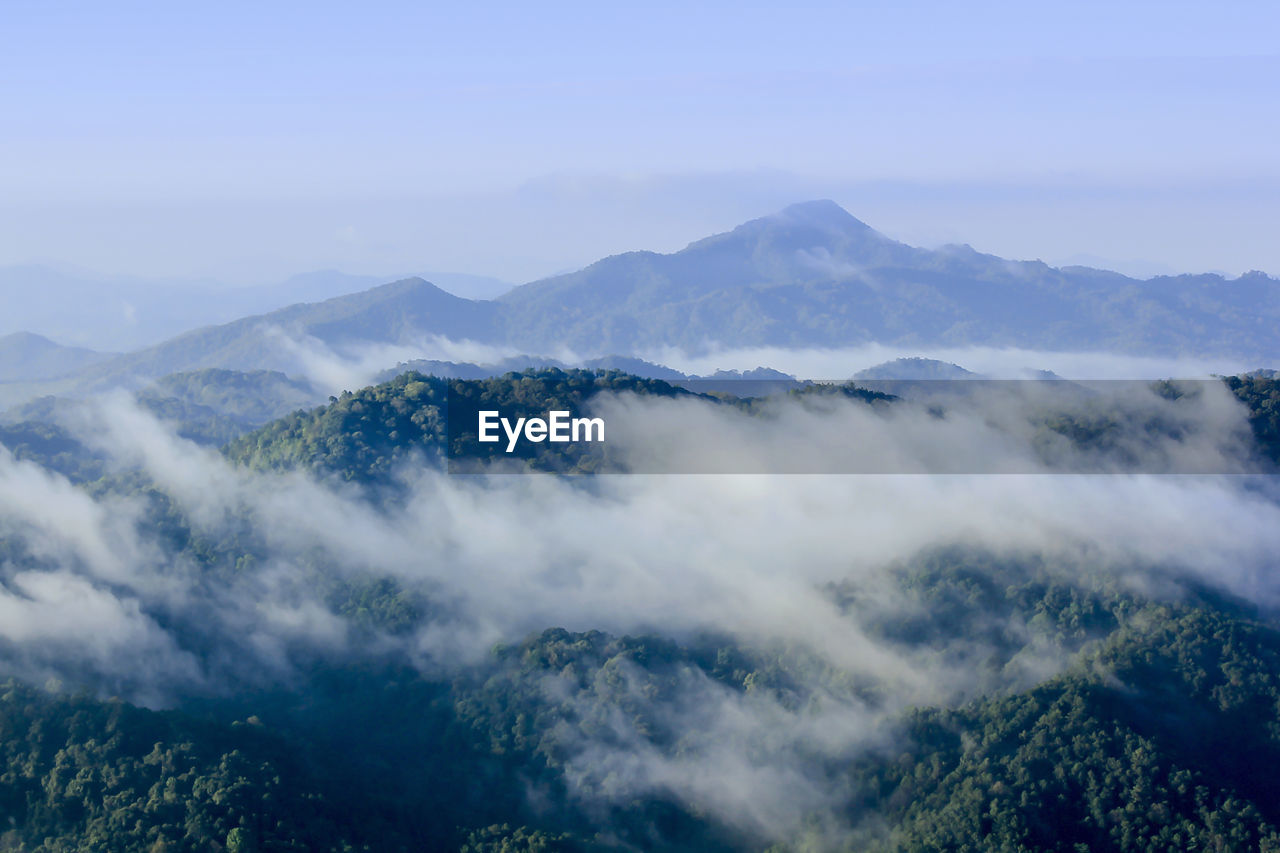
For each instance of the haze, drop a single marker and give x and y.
(246, 143)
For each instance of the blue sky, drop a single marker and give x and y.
(249, 141)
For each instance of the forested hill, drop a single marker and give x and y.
(362, 435)
(1162, 736)
(1108, 705)
(1183, 756)
(1260, 393)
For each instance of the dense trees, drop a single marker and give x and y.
(80, 774)
(1160, 729)
(1163, 736)
(1260, 392)
(363, 436)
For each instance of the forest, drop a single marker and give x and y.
(309, 639)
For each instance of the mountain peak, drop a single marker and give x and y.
(33, 344)
(821, 222)
(821, 213)
(806, 224)
(915, 368)
(27, 339)
(809, 226)
(26, 356)
(413, 285)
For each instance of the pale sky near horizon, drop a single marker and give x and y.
(248, 141)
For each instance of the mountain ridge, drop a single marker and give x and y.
(811, 275)
(30, 356)
(814, 275)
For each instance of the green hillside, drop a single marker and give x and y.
(1100, 714)
(363, 436)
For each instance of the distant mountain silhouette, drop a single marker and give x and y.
(809, 276)
(916, 368)
(399, 312)
(813, 275)
(26, 357)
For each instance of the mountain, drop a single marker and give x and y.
(809, 276)
(813, 275)
(517, 363)
(469, 286)
(25, 356)
(257, 396)
(635, 366)
(916, 368)
(396, 313)
(327, 284)
(928, 369)
(365, 436)
(314, 286)
(1103, 705)
(209, 406)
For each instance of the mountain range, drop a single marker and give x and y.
(810, 275)
(814, 276)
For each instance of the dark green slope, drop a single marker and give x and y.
(78, 774)
(1161, 737)
(213, 405)
(1166, 738)
(1162, 732)
(54, 448)
(209, 406)
(1260, 392)
(364, 436)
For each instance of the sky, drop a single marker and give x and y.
(251, 141)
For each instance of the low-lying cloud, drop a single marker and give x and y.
(992, 362)
(100, 596)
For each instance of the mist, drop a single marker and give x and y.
(752, 557)
(991, 362)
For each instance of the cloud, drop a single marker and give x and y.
(355, 365)
(993, 362)
(744, 758)
(63, 524)
(752, 557)
(939, 427)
